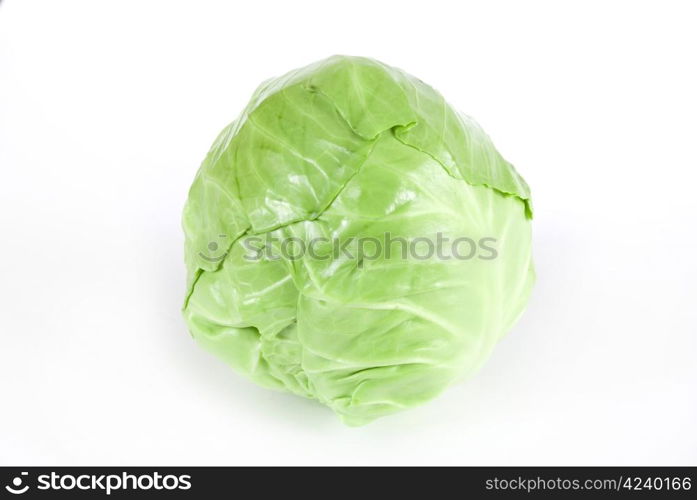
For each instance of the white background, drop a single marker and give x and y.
(107, 109)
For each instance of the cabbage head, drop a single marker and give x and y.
(353, 239)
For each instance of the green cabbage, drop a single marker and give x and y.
(345, 150)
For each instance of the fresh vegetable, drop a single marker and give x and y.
(353, 239)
